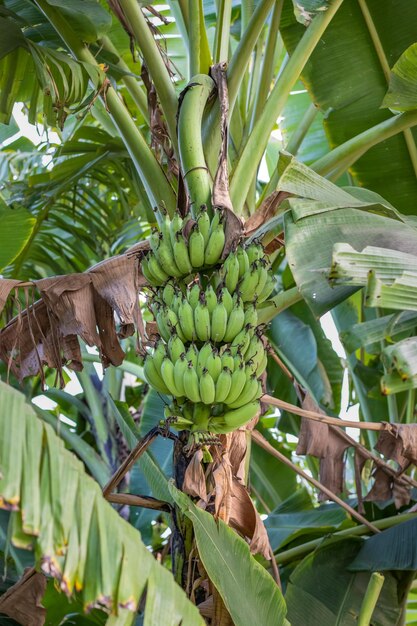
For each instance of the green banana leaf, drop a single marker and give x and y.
(347, 78)
(250, 594)
(322, 591)
(369, 334)
(16, 227)
(77, 537)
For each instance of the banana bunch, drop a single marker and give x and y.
(201, 316)
(208, 376)
(172, 255)
(200, 419)
(247, 271)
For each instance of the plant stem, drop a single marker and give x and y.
(221, 38)
(152, 175)
(193, 164)
(371, 598)
(411, 402)
(254, 149)
(299, 552)
(132, 85)
(337, 161)
(155, 63)
(268, 61)
(194, 34)
(279, 303)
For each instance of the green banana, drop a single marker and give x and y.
(267, 290)
(231, 420)
(156, 269)
(241, 341)
(175, 227)
(191, 383)
(207, 387)
(218, 322)
(181, 256)
(248, 283)
(162, 325)
(180, 366)
(234, 323)
(165, 256)
(211, 299)
(231, 271)
(226, 298)
(228, 360)
(262, 365)
(251, 316)
(152, 376)
(150, 277)
(168, 293)
(175, 348)
(214, 364)
(158, 355)
(223, 385)
(167, 375)
(203, 223)
(192, 355)
(263, 277)
(196, 247)
(237, 384)
(154, 239)
(243, 261)
(254, 349)
(193, 295)
(215, 245)
(203, 355)
(201, 415)
(254, 251)
(249, 393)
(186, 320)
(202, 319)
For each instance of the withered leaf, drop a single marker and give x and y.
(6, 285)
(332, 465)
(359, 463)
(246, 520)
(22, 601)
(220, 195)
(194, 479)
(382, 487)
(265, 211)
(391, 446)
(401, 493)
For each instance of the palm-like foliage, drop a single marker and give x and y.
(108, 81)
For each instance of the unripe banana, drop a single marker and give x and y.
(172, 322)
(165, 256)
(191, 383)
(234, 323)
(228, 360)
(263, 277)
(166, 227)
(176, 303)
(231, 271)
(219, 320)
(181, 256)
(152, 280)
(237, 384)
(250, 367)
(207, 387)
(192, 355)
(196, 247)
(156, 269)
(247, 285)
(193, 295)
(254, 349)
(203, 223)
(243, 260)
(241, 341)
(237, 358)
(211, 299)
(249, 393)
(159, 355)
(254, 252)
(203, 355)
(267, 290)
(180, 366)
(168, 293)
(186, 319)
(167, 375)
(214, 246)
(202, 319)
(152, 376)
(175, 227)
(161, 323)
(251, 316)
(154, 239)
(262, 365)
(231, 420)
(175, 348)
(214, 365)
(226, 298)
(223, 385)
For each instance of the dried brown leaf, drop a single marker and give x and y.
(194, 479)
(313, 436)
(401, 494)
(382, 487)
(220, 195)
(359, 463)
(233, 228)
(246, 520)
(408, 435)
(111, 352)
(222, 477)
(22, 601)
(391, 446)
(265, 211)
(332, 465)
(6, 285)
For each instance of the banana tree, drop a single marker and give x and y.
(165, 115)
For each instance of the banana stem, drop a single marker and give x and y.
(221, 39)
(193, 164)
(194, 34)
(152, 175)
(371, 598)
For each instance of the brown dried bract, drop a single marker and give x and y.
(265, 211)
(22, 601)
